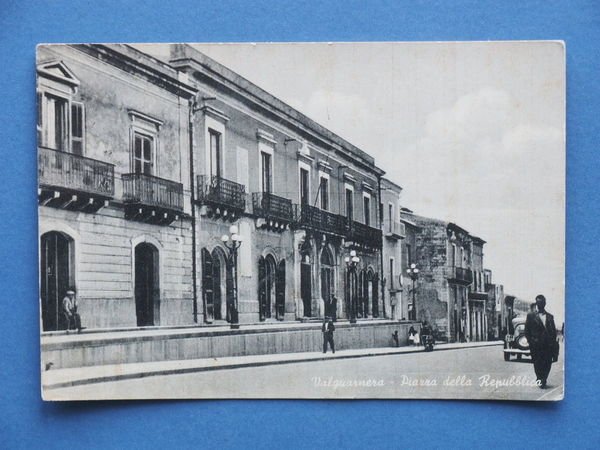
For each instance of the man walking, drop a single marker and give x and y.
(328, 329)
(541, 335)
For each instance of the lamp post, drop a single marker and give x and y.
(351, 264)
(413, 273)
(232, 243)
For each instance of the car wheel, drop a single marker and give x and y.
(519, 357)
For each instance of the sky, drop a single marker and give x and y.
(473, 132)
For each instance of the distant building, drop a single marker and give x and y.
(393, 235)
(450, 290)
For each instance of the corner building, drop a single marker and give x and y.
(114, 187)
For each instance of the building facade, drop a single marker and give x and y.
(450, 290)
(150, 170)
(393, 234)
(114, 187)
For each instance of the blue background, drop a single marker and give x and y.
(25, 421)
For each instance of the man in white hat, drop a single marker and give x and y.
(70, 311)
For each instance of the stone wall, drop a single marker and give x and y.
(196, 344)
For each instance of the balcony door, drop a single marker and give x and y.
(55, 270)
(216, 153)
(304, 187)
(349, 205)
(143, 149)
(147, 293)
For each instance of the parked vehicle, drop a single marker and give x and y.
(516, 343)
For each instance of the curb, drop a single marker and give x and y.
(239, 365)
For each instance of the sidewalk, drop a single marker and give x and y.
(62, 378)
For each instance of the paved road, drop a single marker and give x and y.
(475, 373)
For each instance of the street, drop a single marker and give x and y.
(469, 373)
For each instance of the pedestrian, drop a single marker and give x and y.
(541, 335)
(413, 336)
(328, 329)
(72, 317)
(333, 308)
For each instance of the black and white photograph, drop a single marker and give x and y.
(353, 220)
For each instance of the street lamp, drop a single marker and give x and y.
(413, 273)
(351, 264)
(232, 243)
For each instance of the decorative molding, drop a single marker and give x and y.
(324, 166)
(215, 113)
(58, 71)
(367, 186)
(349, 178)
(134, 114)
(264, 136)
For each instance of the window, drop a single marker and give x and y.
(391, 273)
(349, 204)
(56, 125)
(143, 161)
(453, 255)
(409, 254)
(390, 217)
(266, 175)
(216, 160)
(77, 128)
(324, 193)
(304, 187)
(367, 210)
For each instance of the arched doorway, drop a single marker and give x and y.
(147, 290)
(266, 286)
(222, 281)
(306, 282)
(280, 290)
(375, 295)
(217, 285)
(56, 253)
(326, 277)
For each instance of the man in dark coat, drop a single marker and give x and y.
(328, 329)
(541, 335)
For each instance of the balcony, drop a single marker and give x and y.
(151, 199)
(313, 218)
(222, 197)
(73, 182)
(394, 229)
(364, 235)
(460, 275)
(273, 212)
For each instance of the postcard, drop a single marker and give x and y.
(302, 220)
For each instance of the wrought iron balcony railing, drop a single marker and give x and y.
(461, 275)
(149, 190)
(265, 204)
(221, 192)
(58, 169)
(364, 235)
(312, 217)
(394, 229)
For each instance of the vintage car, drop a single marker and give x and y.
(516, 343)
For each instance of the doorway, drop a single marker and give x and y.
(56, 277)
(147, 293)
